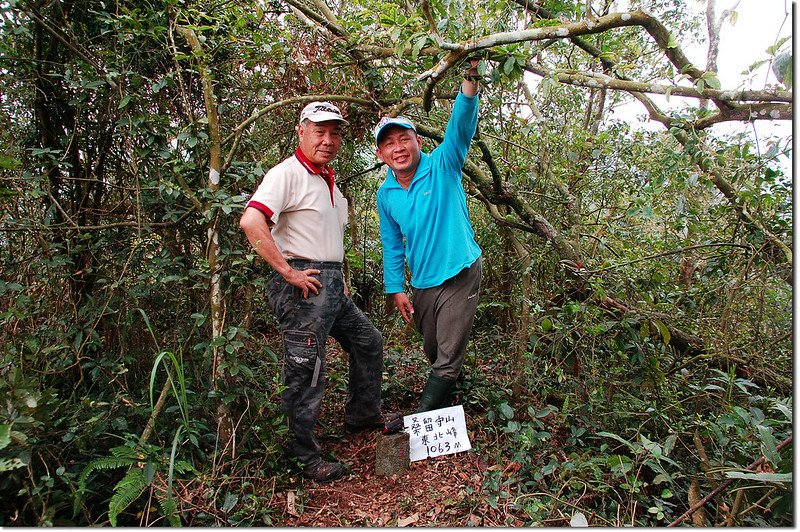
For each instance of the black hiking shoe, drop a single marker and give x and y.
(375, 424)
(324, 471)
(350, 428)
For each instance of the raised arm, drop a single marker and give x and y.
(471, 79)
(463, 122)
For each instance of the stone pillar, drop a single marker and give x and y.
(392, 454)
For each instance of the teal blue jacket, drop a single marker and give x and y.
(428, 224)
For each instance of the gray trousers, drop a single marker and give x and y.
(306, 325)
(444, 315)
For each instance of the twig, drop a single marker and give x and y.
(756, 504)
(565, 503)
(702, 502)
(668, 253)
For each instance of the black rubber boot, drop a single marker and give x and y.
(436, 393)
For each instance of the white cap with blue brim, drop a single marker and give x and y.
(387, 121)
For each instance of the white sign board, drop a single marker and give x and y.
(437, 432)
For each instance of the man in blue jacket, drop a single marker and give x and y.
(424, 221)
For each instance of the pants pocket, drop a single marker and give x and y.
(302, 353)
(281, 296)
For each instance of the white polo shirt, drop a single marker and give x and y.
(307, 209)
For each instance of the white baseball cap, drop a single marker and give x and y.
(321, 112)
(392, 121)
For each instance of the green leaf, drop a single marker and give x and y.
(712, 81)
(508, 66)
(754, 66)
(418, 45)
(8, 163)
(619, 464)
(513, 426)
(149, 471)
(782, 68)
(400, 47)
(742, 413)
(149, 327)
(169, 507)
(772, 50)
(230, 501)
(700, 84)
(609, 56)
(619, 439)
(8, 464)
(669, 443)
(5, 436)
(124, 102)
(785, 410)
(769, 445)
(246, 371)
(395, 34)
(783, 478)
(662, 329)
(653, 447)
(170, 510)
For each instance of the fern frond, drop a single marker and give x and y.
(182, 466)
(123, 451)
(106, 462)
(170, 510)
(126, 491)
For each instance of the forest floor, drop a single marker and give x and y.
(444, 491)
(439, 492)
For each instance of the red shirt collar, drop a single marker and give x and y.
(325, 171)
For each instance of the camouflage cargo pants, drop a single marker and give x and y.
(306, 325)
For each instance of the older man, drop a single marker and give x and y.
(424, 222)
(295, 221)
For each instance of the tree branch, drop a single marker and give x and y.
(239, 130)
(780, 251)
(34, 13)
(669, 253)
(326, 20)
(702, 502)
(597, 80)
(584, 27)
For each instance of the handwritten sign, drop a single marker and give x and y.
(437, 432)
